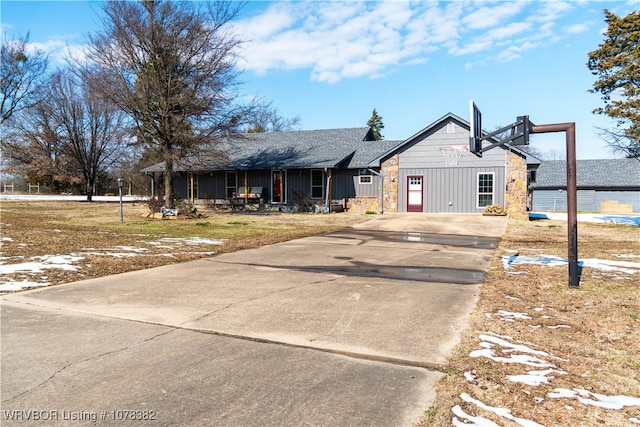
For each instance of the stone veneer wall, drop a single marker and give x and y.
(516, 177)
(389, 169)
(362, 205)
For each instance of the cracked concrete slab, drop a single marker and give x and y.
(96, 367)
(398, 289)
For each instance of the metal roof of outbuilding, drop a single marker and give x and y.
(590, 173)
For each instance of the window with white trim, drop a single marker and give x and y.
(317, 184)
(364, 176)
(485, 189)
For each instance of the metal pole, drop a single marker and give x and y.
(572, 195)
(120, 191)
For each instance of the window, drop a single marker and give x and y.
(451, 128)
(485, 189)
(364, 176)
(317, 184)
(232, 183)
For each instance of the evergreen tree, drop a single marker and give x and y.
(376, 125)
(616, 63)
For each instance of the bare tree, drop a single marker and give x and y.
(267, 118)
(31, 146)
(22, 76)
(171, 67)
(68, 138)
(92, 128)
(620, 143)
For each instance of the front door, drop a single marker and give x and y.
(414, 193)
(278, 186)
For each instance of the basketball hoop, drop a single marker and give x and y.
(452, 153)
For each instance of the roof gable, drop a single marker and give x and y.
(442, 121)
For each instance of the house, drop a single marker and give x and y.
(432, 171)
(603, 186)
(323, 165)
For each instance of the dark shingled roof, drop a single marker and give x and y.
(590, 173)
(328, 148)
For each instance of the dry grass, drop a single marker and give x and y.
(599, 350)
(32, 229)
(598, 344)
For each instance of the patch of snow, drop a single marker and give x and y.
(594, 399)
(474, 421)
(192, 241)
(597, 218)
(559, 326)
(554, 261)
(635, 420)
(501, 412)
(469, 376)
(513, 347)
(38, 264)
(511, 316)
(607, 265)
(527, 355)
(14, 286)
(535, 378)
(67, 197)
(514, 358)
(513, 298)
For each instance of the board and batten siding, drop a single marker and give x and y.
(449, 188)
(452, 189)
(425, 152)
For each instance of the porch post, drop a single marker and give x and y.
(191, 189)
(329, 189)
(246, 186)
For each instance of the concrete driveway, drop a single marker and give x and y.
(348, 328)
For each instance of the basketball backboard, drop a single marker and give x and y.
(475, 129)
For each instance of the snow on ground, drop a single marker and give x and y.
(36, 265)
(633, 219)
(503, 349)
(67, 197)
(553, 261)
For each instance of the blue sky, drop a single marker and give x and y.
(332, 62)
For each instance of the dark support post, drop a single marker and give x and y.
(120, 182)
(572, 194)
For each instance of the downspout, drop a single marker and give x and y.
(381, 188)
(246, 186)
(327, 196)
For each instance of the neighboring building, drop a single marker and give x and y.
(432, 171)
(604, 186)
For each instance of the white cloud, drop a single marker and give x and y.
(578, 28)
(337, 40)
(490, 16)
